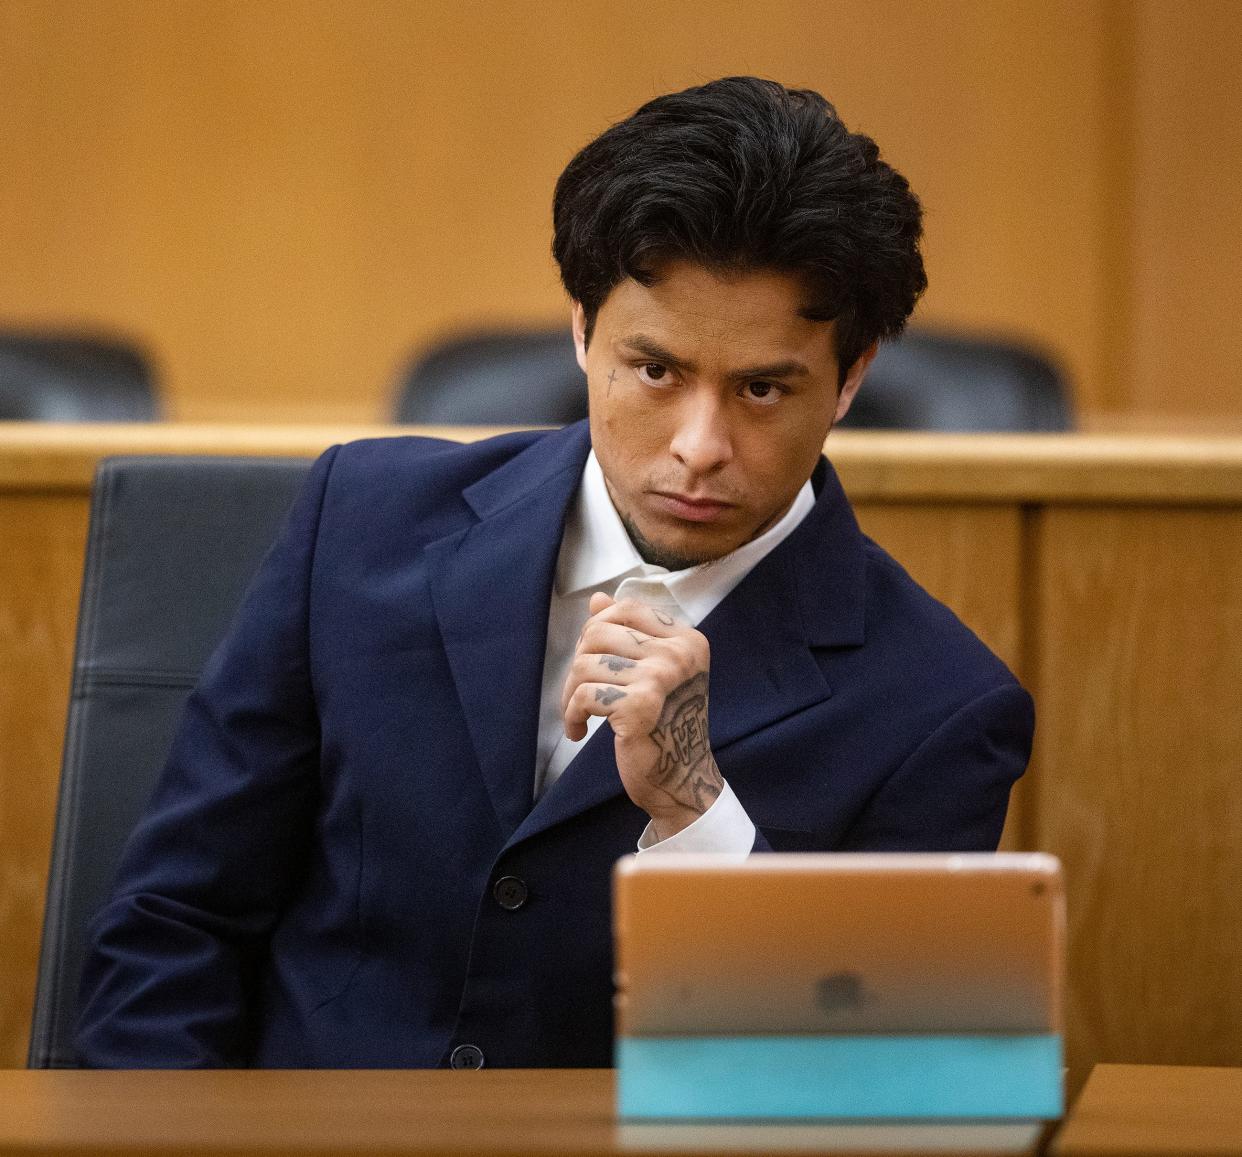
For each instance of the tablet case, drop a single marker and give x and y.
(839, 986)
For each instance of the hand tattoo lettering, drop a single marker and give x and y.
(616, 663)
(639, 639)
(608, 695)
(685, 768)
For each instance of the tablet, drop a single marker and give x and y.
(861, 962)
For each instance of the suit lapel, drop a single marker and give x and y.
(491, 586)
(808, 592)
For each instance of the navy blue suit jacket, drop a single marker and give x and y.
(312, 883)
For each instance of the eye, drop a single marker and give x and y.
(762, 393)
(654, 374)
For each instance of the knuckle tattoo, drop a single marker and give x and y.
(616, 663)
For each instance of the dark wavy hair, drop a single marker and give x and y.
(744, 174)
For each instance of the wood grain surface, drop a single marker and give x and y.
(501, 1113)
(284, 199)
(1155, 1111)
(42, 543)
(1139, 685)
(967, 555)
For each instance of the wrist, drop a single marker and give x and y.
(677, 814)
(667, 823)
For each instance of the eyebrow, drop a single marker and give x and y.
(650, 348)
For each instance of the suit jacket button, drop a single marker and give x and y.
(510, 893)
(466, 1057)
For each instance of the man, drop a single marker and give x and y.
(468, 678)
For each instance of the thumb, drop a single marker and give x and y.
(600, 602)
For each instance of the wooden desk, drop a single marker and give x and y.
(1155, 1111)
(501, 1113)
(1103, 568)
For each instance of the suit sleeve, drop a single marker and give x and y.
(951, 793)
(176, 952)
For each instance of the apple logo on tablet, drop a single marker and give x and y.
(840, 992)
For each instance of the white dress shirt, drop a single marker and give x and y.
(597, 555)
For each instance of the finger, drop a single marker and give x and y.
(641, 617)
(670, 659)
(603, 638)
(618, 670)
(619, 667)
(590, 699)
(599, 602)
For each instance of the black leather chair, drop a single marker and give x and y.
(173, 544)
(925, 381)
(496, 378)
(945, 381)
(74, 378)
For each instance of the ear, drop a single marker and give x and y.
(578, 319)
(853, 380)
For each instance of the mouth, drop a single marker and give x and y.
(690, 508)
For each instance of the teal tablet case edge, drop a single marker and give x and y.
(847, 1077)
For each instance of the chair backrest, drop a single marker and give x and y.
(925, 381)
(173, 543)
(494, 377)
(942, 381)
(49, 377)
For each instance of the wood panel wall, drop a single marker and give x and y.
(1139, 786)
(1183, 340)
(283, 199)
(1103, 569)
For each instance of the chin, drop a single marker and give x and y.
(677, 559)
(676, 555)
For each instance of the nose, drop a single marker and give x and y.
(702, 440)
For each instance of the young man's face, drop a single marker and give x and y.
(710, 399)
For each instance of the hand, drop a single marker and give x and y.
(648, 676)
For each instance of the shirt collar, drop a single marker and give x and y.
(596, 550)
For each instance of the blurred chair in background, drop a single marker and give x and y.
(946, 381)
(925, 381)
(495, 378)
(66, 377)
(172, 545)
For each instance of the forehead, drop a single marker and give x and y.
(690, 307)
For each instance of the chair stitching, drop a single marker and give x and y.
(135, 677)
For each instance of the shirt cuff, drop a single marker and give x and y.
(724, 827)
